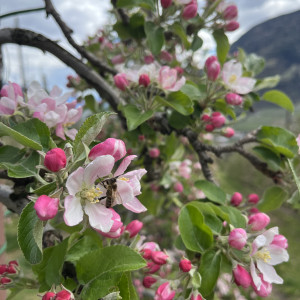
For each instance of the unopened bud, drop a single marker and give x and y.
(159, 257)
(232, 26)
(144, 80)
(242, 277)
(166, 3)
(134, 227)
(46, 208)
(213, 68)
(230, 12)
(190, 11)
(258, 221)
(236, 199)
(49, 296)
(121, 81)
(148, 281)
(185, 265)
(228, 132)
(237, 238)
(154, 152)
(253, 198)
(233, 99)
(55, 160)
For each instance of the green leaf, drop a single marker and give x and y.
(279, 98)
(134, 117)
(196, 43)
(148, 4)
(179, 30)
(267, 82)
(89, 131)
(254, 63)
(272, 199)
(126, 288)
(209, 271)
(30, 232)
(192, 91)
(235, 216)
(296, 178)
(178, 101)
(91, 103)
(283, 141)
(155, 37)
(211, 191)
(10, 154)
(268, 156)
(223, 45)
(49, 270)
(110, 259)
(24, 168)
(45, 189)
(195, 235)
(178, 121)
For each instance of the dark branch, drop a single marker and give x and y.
(30, 38)
(14, 13)
(67, 31)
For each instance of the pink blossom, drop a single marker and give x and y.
(258, 221)
(190, 11)
(164, 292)
(55, 159)
(159, 257)
(149, 59)
(241, 276)
(185, 265)
(46, 207)
(179, 70)
(232, 76)
(3, 269)
(196, 296)
(134, 227)
(206, 118)
(217, 119)
(168, 79)
(121, 81)
(5, 280)
(110, 146)
(236, 199)
(265, 288)
(228, 132)
(11, 95)
(154, 152)
(152, 267)
(230, 12)
(253, 198)
(209, 127)
(280, 241)
(118, 59)
(212, 68)
(237, 238)
(178, 187)
(166, 3)
(233, 99)
(64, 295)
(144, 80)
(148, 281)
(166, 56)
(49, 296)
(232, 26)
(185, 169)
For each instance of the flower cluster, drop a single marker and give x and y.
(7, 271)
(62, 295)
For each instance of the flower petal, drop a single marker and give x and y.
(124, 192)
(73, 211)
(269, 272)
(135, 205)
(177, 86)
(256, 279)
(99, 167)
(100, 217)
(124, 164)
(134, 180)
(278, 255)
(74, 181)
(243, 85)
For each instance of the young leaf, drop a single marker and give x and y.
(223, 45)
(196, 43)
(9, 154)
(211, 191)
(272, 199)
(279, 98)
(30, 232)
(155, 37)
(235, 216)
(127, 290)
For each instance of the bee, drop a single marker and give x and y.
(111, 191)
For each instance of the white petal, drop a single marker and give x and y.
(124, 192)
(74, 181)
(278, 255)
(135, 205)
(73, 211)
(260, 241)
(269, 234)
(99, 167)
(256, 279)
(269, 272)
(124, 164)
(244, 85)
(100, 217)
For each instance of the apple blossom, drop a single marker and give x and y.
(144, 80)
(118, 59)
(159, 257)
(64, 295)
(148, 281)
(190, 10)
(196, 296)
(209, 127)
(5, 280)
(149, 59)
(228, 132)
(212, 68)
(217, 119)
(152, 267)
(166, 56)
(280, 241)
(232, 76)
(55, 159)
(3, 269)
(49, 296)
(11, 95)
(242, 276)
(168, 79)
(233, 99)
(265, 289)
(46, 207)
(237, 238)
(134, 227)
(185, 265)
(253, 198)
(205, 118)
(164, 292)
(230, 12)
(236, 199)
(258, 221)
(121, 81)
(178, 187)
(232, 26)
(264, 256)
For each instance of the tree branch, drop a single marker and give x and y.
(30, 38)
(67, 31)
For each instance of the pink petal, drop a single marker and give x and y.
(244, 85)
(73, 211)
(134, 180)
(71, 133)
(60, 132)
(98, 168)
(178, 85)
(135, 205)
(74, 181)
(7, 106)
(100, 217)
(124, 164)
(125, 192)
(51, 104)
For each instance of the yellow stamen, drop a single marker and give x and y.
(91, 195)
(232, 78)
(263, 255)
(124, 179)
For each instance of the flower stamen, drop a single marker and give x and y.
(263, 255)
(91, 195)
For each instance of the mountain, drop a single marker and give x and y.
(278, 41)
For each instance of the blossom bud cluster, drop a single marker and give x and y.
(237, 199)
(7, 271)
(62, 295)
(189, 11)
(216, 120)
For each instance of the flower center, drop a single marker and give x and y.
(263, 255)
(124, 179)
(91, 195)
(232, 78)
(69, 124)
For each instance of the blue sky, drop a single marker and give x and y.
(85, 17)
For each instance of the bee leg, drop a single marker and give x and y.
(101, 198)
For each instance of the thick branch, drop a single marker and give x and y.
(30, 38)
(67, 31)
(15, 206)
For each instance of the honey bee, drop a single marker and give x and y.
(111, 191)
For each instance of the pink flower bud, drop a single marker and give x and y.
(213, 68)
(134, 227)
(110, 146)
(236, 199)
(228, 132)
(146, 253)
(5, 280)
(121, 81)
(242, 277)
(46, 208)
(64, 295)
(217, 119)
(196, 296)
(118, 59)
(13, 262)
(254, 210)
(230, 12)
(205, 118)
(237, 238)
(148, 281)
(49, 296)
(166, 3)
(179, 70)
(117, 227)
(153, 267)
(232, 26)
(185, 265)
(144, 80)
(209, 127)
(11, 269)
(233, 99)
(265, 288)
(280, 241)
(159, 257)
(190, 11)
(55, 160)
(149, 59)
(258, 221)
(154, 152)
(3, 269)
(17, 90)
(164, 292)
(141, 137)
(253, 198)
(166, 56)
(178, 187)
